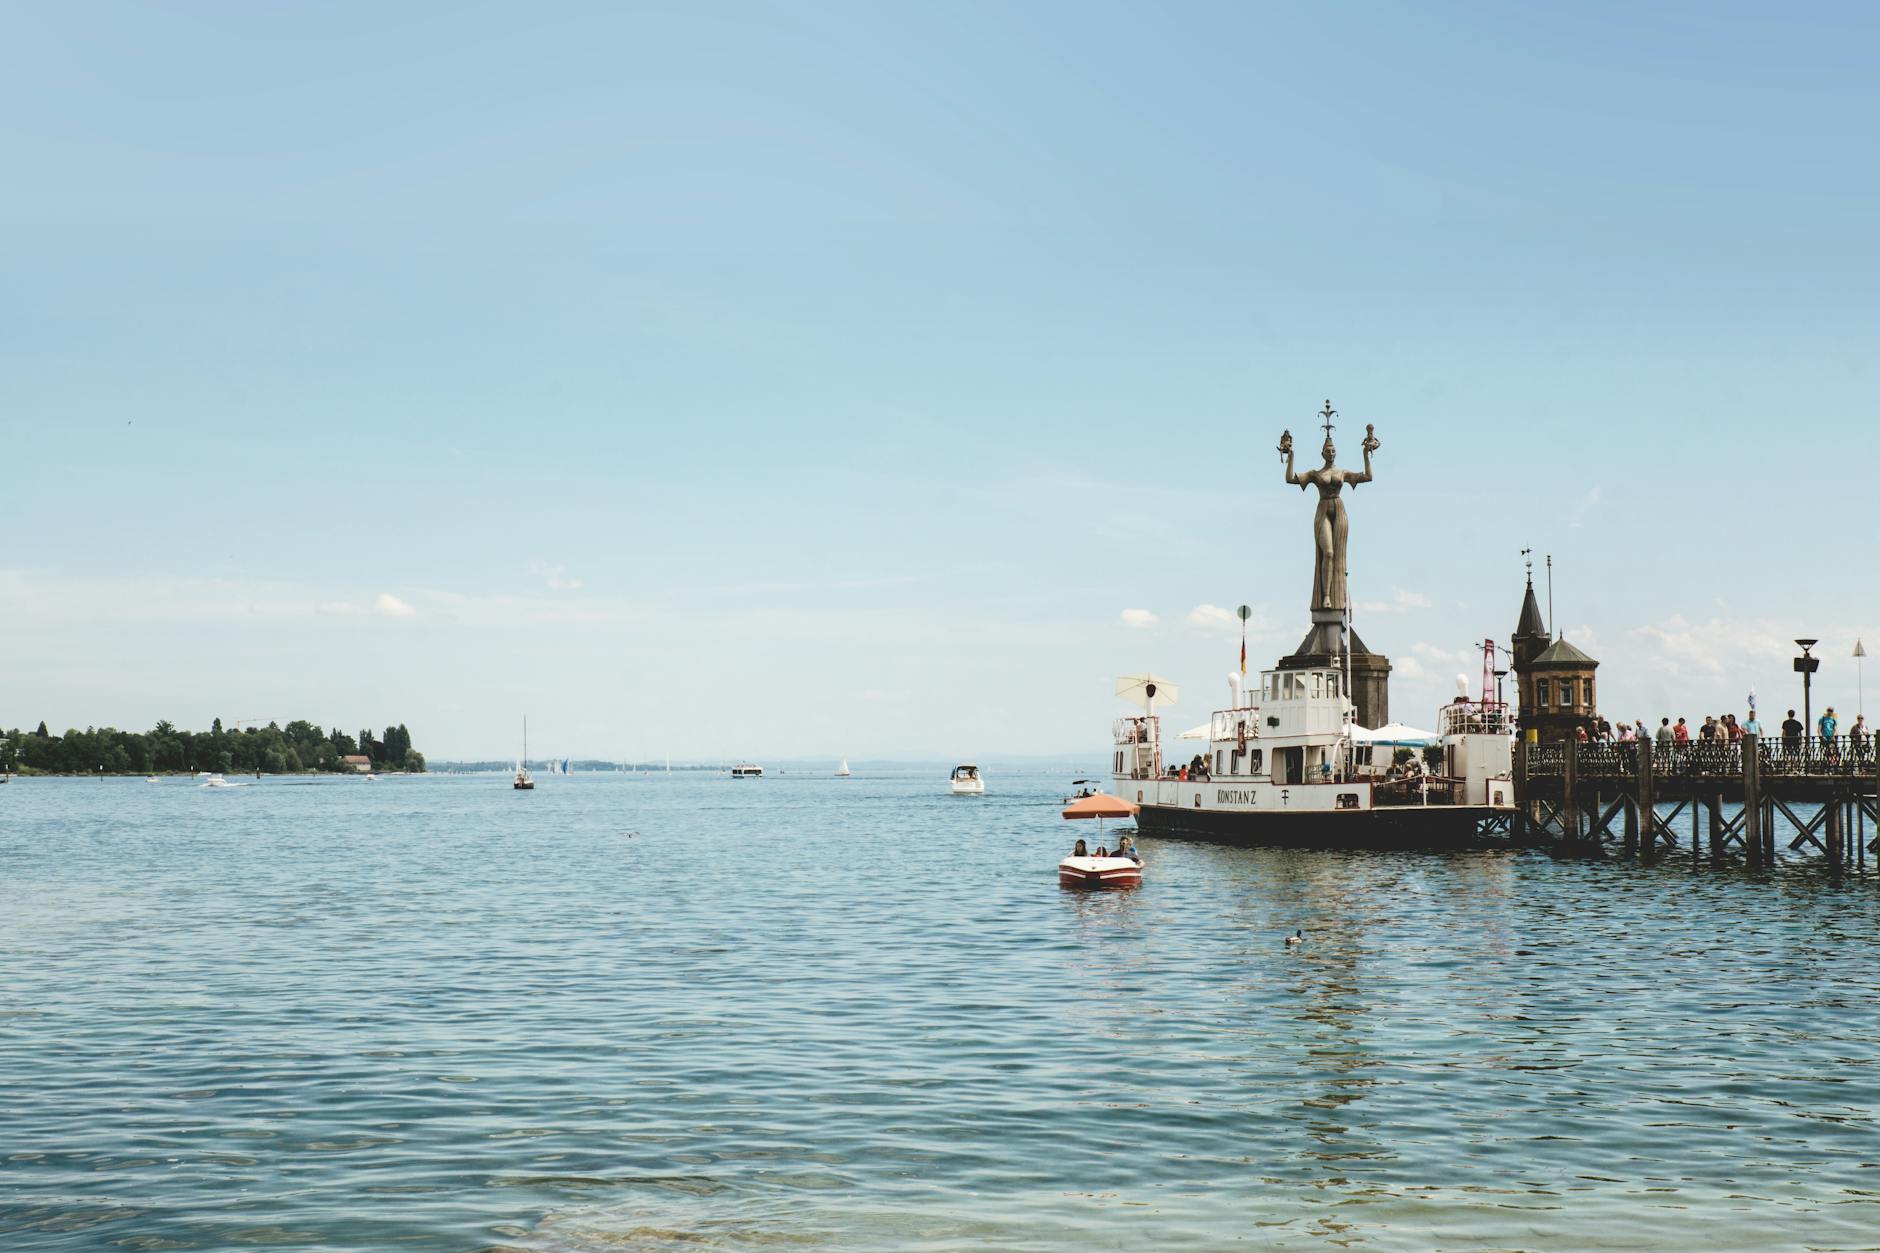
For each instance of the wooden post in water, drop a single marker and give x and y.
(1646, 803)
(1569, 784)
(1752, 797)
(1521, 801)
(1835, 851)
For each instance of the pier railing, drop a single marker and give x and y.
(1811, 756)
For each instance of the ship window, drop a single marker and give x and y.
(1318, 686)
(1253, 760)
(1347, 800)
(1220, 761)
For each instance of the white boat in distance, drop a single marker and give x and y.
(523, 782)
(842, 771)
(966, 781)
(747, 771)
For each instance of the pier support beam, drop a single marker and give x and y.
(1570, 784)
(1754, 830)
(1647, 802)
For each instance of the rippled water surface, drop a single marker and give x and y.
(691, 1013)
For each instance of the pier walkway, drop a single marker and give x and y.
(1823, 792)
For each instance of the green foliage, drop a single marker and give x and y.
(300, 746)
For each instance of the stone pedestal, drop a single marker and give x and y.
(1370, 672)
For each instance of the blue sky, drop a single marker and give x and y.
(828, 380)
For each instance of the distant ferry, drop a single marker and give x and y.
(747, 772)
(1289, 765)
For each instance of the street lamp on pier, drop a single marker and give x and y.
(1806, 665)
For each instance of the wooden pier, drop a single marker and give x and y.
(1590, 796)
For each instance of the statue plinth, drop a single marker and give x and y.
(1323, 649)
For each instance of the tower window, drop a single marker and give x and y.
(1541, 692)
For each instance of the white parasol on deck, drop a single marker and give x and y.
(1145, 691)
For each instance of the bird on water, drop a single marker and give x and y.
(1297, 937)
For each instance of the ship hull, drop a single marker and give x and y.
(1435, 826)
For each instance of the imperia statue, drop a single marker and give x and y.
(1329, 524)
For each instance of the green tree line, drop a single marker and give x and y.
(299, 746)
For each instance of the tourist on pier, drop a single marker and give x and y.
(1639, 732)
(1752, 727)
(1791, 734)
(1857, 736)
(1681, 733)
(1734, 727)
(1666, 736)
(1828, 724)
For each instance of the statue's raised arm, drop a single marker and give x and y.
(1286, 451)
(1370, 446)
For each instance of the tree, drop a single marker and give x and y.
(42, 733)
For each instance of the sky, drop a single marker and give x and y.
(881, 380)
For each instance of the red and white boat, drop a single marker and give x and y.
(1094, 872)
(1099, 872)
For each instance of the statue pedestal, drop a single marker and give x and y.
(1323, 648)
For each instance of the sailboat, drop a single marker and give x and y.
(523, 782)
(842, 771)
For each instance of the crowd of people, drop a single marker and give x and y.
(1726, 731)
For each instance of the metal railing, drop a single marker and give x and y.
(1809, 756)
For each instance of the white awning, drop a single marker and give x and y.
(1396, 735)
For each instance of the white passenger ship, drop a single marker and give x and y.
(1286, 765)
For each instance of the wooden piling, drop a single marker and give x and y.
(1835, 850)
(1647, 821)
(1569, 786)
(1753, 827)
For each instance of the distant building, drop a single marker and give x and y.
(361, 764)
(1554, 680)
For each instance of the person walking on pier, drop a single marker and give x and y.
(1791, 736)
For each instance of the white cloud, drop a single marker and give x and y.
(1586, 505)
(1401, 601)
(1408, 668)
(392, 607)
(1141, 619)
(554, 578)
(1219, 621)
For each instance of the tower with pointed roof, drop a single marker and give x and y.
(1553, 679)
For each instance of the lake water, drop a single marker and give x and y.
(628, 1013)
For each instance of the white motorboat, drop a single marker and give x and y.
(966, 781)
(747, 771)
(216, 780)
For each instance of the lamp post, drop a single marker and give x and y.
(1806, 665)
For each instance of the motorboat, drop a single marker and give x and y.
(372, 778)
(966, 781)
(1099, 872)
(150, 778)
(216, 780)
(747, 771)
